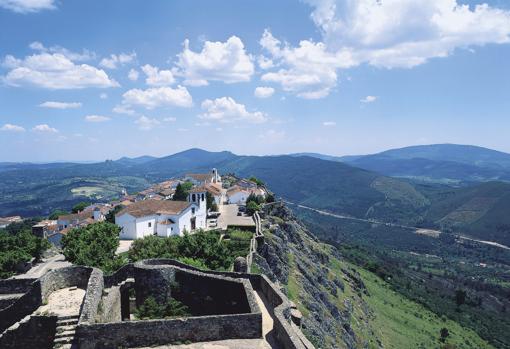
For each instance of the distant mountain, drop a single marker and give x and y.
(445, 163)
(137, 160)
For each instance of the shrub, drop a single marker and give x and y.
(80, 206)
(151, 309)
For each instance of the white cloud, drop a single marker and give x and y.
(133, 75)
(144, 123)
(27, 6)
(225, 109)
(12, 128)
(60, 105)
(368, 99)
(156, 77)
(114, 61)
(263, 92)
(272, 136)
(44, 128)
(96, 118)
(402, 33)
(388, 34)
(308, 70)
(170, 119)
(218, 61)
(329, 123)
(54, 71)
(103, 96)
(158, 97)
(123, 109)
(85, 55)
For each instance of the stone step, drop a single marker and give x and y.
(64, 328)
(66, 322)
(66, 317)
(63, 334)
(63, 340)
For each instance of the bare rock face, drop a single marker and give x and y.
(240, 265)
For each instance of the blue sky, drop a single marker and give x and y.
(95, 80)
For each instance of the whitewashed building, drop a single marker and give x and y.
(203, 178)
(163, 217)
(238, 195)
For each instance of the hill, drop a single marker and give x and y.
(446, 163)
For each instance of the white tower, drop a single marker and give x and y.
(197, 196)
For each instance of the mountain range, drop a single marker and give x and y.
(477, 209)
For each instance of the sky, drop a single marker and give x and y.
(95, 80)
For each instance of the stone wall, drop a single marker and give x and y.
(37, 332)
(93, 294)
(160, 332)
(15, 285)
(120, 275)
(109, 309)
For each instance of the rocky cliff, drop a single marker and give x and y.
(328, 292)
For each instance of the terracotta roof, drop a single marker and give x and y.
(167, 192)
(150, 207)
(213, 189)
(167, 222)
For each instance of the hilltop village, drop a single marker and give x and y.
(155, 301)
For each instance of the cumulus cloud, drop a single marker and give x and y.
(368, 99)
(60, 105)
(145, 124)
(218, 61)
(309, 70)
(85, 55)
(54, 71)
(329, 123)
(12, 128)
(133, 75)
(27, 6)
(387, 34)
(156, 77)
(114, 61)
(402, 33)
(263, 92)
(158, 97)
(96, 118)
(169, 119)
(123, 109)
(226, 109)
(44, 128)
(103, 96)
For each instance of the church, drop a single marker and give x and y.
(163, 217)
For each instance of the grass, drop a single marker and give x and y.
(401, 323)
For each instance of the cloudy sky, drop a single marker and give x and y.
(96, 79)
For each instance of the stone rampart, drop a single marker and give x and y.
(160, 332)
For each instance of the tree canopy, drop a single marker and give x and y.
(181, 191)
(80, 206)
(93, 245)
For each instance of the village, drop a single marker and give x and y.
(195, 201)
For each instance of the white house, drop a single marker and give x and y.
(203, 178)
(238, 195)
(163, 217)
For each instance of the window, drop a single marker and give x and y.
(192, 210)
(202, 197)
(193, 197)
(150, 224)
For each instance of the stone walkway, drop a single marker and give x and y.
(63, 302)
(38, 270)
(229, 216)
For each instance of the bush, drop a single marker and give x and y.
(94, 245)
(151, 309)
(80, 206)
(252, 207)
(55, 214)
(19, 245)
(110, 216)
(181, 191)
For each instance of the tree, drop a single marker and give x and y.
(252, 207)
(110, 216)
(270, 198)
(80, 206)
(94, 245)
(460, 297)
(151, 309)
(55, 214)
(211, 204)
(444, 334)
(256, 180)
(182, 190)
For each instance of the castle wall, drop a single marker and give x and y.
(37, 332)
(160, 332)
